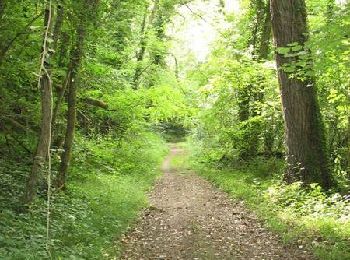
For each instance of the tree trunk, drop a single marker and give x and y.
(264, 47)
(74, 67)
(2, 8)
(158, 57)
(58, 25)
(87, 15)
(143, 43)
(141, 52)
(258, 6)
(305, 139)
(62, 89)
(41, 160)
(348, 137)
(251, 94)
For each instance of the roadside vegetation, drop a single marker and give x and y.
(91, 91)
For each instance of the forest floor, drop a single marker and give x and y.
(190, 219)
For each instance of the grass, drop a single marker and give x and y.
(324, 234)
(107, 189)
(112, 204)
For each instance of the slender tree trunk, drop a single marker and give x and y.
(2, 8)
(141, 53)
(58, 26)
(60, 97)
(250, 95)
(87, 16)
(57, 30)
(305, 139)
(258, 6)
(74, 67)
(62, 89)
(263, 54)
(244, 114)
(42, 154)
(143, 43)
(264, 47)
(348, 148)
(330, 10)
(158, 57)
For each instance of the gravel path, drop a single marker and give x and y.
(190, 219)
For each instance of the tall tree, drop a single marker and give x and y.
(143, 42)
(251, 95)
(41, 163)
(265, 36)
(305, 138)
(85, 17)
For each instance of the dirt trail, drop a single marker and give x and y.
(190, 219)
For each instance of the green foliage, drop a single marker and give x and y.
(106, 191)
(240, 115)
(231, 101)
(234, 86)
(297, 214)
(330, 49)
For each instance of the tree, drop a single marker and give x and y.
(305, 138)
(41, 163)
(251, 95)
(84, 18)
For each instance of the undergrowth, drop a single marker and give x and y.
(307, 217)
(106, 190)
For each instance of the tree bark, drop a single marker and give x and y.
(58, 25)
(42, 154)
(74, 67)
(305, 138)
(87, 15)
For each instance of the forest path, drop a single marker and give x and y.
(190, 219)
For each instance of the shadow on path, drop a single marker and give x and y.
(190, 219)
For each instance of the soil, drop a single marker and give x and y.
(190, 219)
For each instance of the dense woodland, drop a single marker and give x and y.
(91, 91)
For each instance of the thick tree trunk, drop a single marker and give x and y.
(41, 160)
(305, 139)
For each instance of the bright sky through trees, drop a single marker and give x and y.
(198, 25)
